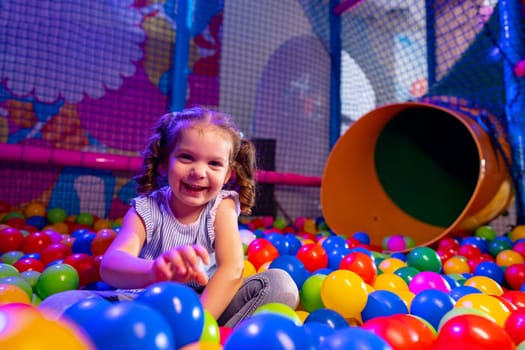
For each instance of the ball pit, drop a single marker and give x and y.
(352, 295)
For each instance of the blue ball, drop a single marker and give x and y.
(327, 316)
(362, 237)
(294, 244)
(458, 292)
(383, 303)
(294, 267)
(280, 242)
(37, 221)
(317, 332)
(86, 311)
(490, 269)
(333, 242)
(431, 305)
(181, 307)
(335, 255)
(481, 243)
(82, 243)
(268, 331)
(132, 326)
(354, 338)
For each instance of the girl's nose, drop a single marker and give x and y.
(197, 172)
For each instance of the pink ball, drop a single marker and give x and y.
(428, 280)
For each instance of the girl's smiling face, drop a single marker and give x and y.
(198, 167)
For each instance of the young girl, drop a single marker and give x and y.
(197, 177)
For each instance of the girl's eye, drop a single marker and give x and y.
(215, 163)
(184, 156)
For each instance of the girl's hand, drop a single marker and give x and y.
(181, 264)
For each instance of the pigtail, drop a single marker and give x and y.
(151, 176)
(244, 167)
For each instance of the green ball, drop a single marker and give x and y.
(31, 277)
(210, 331)
(279, 309)
(279, 223)
(424, 259)
(407, 273)
(486, 232)
(12, 214)
(55, 279)
(85, 219)
(56, 215)
(8, 270)
(310, 293)
(19, 282)
(11, 257)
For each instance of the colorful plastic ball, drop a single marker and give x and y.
(499, 244)
(279, 241)
(25, 264)
(11, 293)
(317, 332)
(259, 251)
(428, 280)
(31, 277)
(224, 333)
(103, 238)
(518, 232)
(130, 325)
(360, 263)
(36, 242)
(313, 256)
(515, 297)
(85, 266)
(362, 237)
(55, 215)
(515, 325)
(486, 284)
(383, 303)
(268, 331)
(336, 288)
(424, 259)
(486, 303)
(458, 292)
(39, 222)
(456, 264)
(280, 309)
(10, 239)
(19, 282)
(509, 257)
(57, 278)
(85, 219)
(86, 311)
(397, 243)
(335, 255)
(514, 276)
(54, 252)
(293, 242)
(431, 305)
(7, 270)
(390, 281)
(310, 292)
(520, 248)
(26, 328)
(326, 316)
(180, 305)
(406, 273)
(293, 266)
(82, 243)
(354, 338)
(475, 331)
(210, 330)
(491, 270)
(486, 232)
(395, 331)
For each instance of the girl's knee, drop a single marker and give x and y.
(286, 290)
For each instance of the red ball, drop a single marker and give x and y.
(394, 331)
(10, 239)
(313, 256)
(362, 264)
(260, 251)
(16, 222)
(515, 297)
(515, 276)
(520, 248)
(29, 264)
(469, 251)
(476, 330)
(102, 240)
(36, 242)
(449, 243)
(54, 252)
(515, 325)
(85, 266)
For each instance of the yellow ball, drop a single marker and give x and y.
(249, 269)
(345, 292)
(390, 265)
(390, 282)
(485, 284)
(509, 257)
(456, 264)
(486, 303)
(517, 232)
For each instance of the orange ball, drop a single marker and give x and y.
(102, 241)
(10, 293)
(35, 209)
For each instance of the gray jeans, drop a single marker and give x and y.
(270, 286)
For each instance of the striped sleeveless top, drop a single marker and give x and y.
(164, 231)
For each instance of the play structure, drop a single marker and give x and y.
(392, 117)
